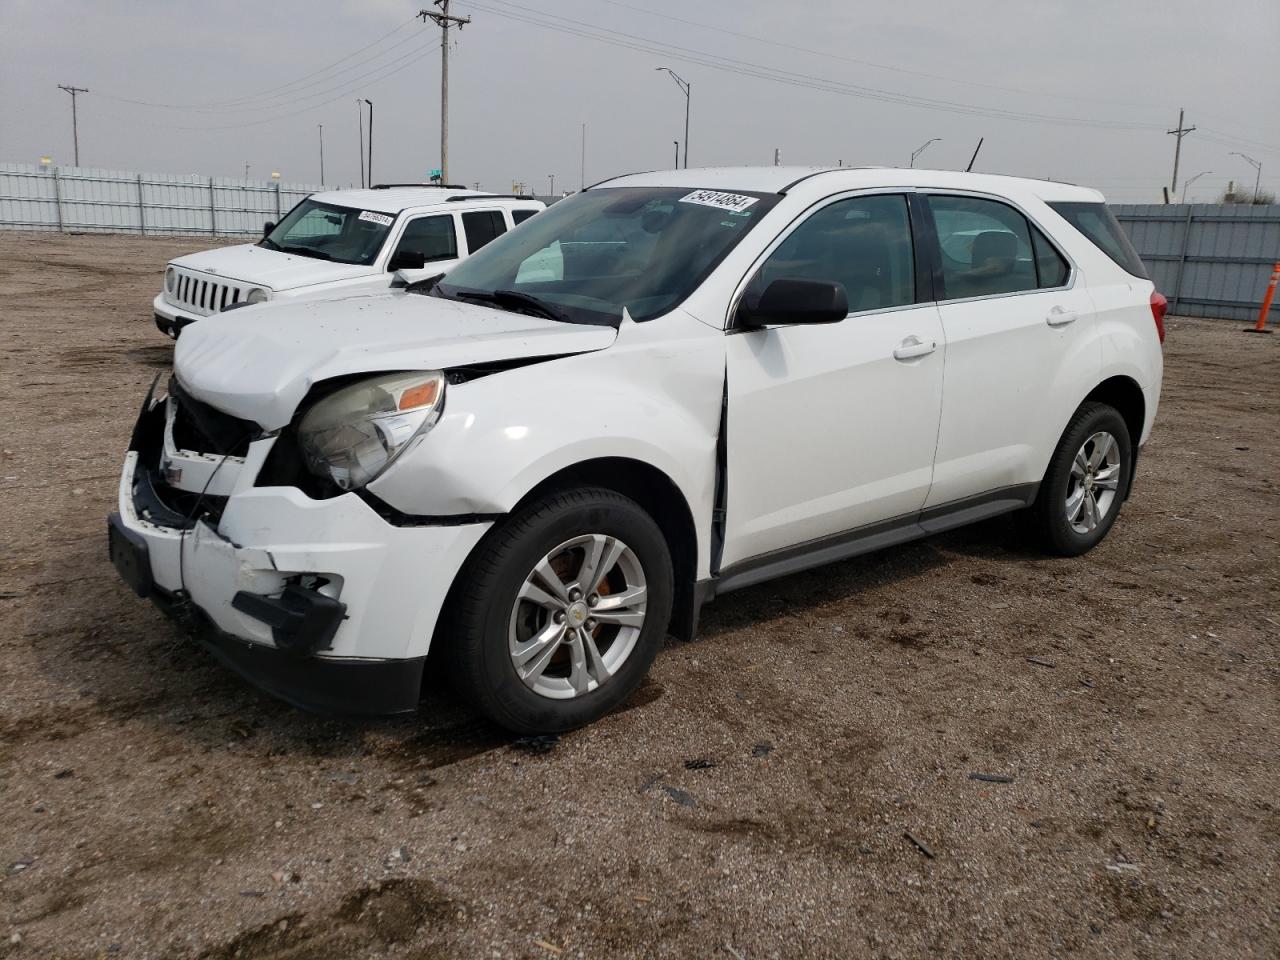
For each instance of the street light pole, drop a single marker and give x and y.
(321, 126)
(1188, 182)
(360, 151)
(677, 143)
(1257, 180)
(552, 178)
(921, 149)
(370, 103)
(686, 88)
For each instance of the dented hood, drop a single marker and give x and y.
(257, 363)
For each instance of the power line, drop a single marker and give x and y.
(274, 92)
(744, 68)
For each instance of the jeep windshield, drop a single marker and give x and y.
(592, 255)
(329, 232)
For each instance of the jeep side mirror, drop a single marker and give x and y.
(267, 228)
(792, 300)
(407, 260)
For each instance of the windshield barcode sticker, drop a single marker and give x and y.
(724, 201)
(372, 217)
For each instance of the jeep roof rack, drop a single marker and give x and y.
(496, 196)
(440, 186)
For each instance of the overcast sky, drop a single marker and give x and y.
(1080, 90)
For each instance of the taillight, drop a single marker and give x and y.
(1159, 307)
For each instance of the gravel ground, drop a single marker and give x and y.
(802, 781)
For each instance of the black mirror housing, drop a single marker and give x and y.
(267, 228)
(406, 260)
(793, 300)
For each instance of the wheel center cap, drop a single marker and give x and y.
(576, 613)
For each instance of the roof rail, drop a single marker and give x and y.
(440, 186)
(494, 196)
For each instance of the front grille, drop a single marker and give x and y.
(203, 295)
(201, 428)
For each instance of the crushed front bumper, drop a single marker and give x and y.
(321, 602)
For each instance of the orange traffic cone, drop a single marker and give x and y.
(1261, 325)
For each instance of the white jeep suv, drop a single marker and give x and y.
(336, 244)
(667, 386)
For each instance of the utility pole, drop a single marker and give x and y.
(582, 168)
(360, 119)
(321, 126)
(1180, 132)
(443, 19)
(75, 127)
(552, 178)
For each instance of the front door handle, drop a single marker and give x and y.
(1058, 317)
(913, 347)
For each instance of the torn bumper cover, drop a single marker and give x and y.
(321, 602)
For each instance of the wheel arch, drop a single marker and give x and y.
(1123, 393)
(657, 494)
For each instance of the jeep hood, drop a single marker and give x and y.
(252, 264)
(257, 363)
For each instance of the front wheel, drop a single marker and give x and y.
(1080, 496)
(558, 616)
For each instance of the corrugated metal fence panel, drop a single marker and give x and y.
(89, 199)
(1210, 260)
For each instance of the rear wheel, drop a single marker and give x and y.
(558, 616)
(1085, 484)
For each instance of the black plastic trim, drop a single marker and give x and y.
(398, 518)
(809, 176)
(328, 685)
(173, 328)
(876, 536)
(302, 621)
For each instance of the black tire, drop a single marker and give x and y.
(1047, 519)
(485, 594)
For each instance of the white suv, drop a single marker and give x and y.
(668, 386)
(336, 244)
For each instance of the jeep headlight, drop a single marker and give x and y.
(257, 295)
(355, 433)
(169, 276)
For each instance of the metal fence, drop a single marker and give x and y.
(1210, 260)
(89, 199)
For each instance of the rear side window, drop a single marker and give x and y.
(520, 216)
(481, 227)
(1096, 222)
(1051, 268)
(985, 246)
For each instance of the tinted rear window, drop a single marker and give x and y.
(1095, 221)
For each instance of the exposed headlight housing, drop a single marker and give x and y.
(170, 277)
(355, 433)
(257, 295)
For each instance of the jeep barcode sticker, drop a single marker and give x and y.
(724, 201)
(372, 217)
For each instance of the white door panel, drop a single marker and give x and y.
(827, 430)
(1016, 368)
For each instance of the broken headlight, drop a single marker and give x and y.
(355, 433)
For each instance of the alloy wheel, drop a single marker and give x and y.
(1094, 482)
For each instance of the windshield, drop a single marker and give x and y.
(588, 257)
(329, 232)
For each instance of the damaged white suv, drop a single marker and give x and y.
(337, 244)
(667, 386)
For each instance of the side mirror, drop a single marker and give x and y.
(267, 228)
(406, 260)
(791, 300)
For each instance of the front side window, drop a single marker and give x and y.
(863, 243)
(434, 238)
(600, 251)
(985, 245)
(520, 216)
(482, 226)
(325, 231)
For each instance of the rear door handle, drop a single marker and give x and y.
(1058, 317)
(913, 347)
